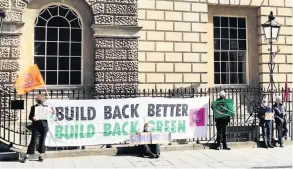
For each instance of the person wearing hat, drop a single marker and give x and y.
(221, 125)
(151, 150)
(39, 128)
(265, 124)
(280, 119)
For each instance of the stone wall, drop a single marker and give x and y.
(176, 50)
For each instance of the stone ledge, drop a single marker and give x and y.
(128, 149)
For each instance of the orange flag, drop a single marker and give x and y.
(28, 80)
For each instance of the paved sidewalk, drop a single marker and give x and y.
(256, 158)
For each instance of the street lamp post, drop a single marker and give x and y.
(2, 17)
(271, 31)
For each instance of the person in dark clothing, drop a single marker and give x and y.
(221, 125)
(280, 119)
(39, 128)
(151, 150)
(266, 124)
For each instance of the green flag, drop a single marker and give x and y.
(225, 106)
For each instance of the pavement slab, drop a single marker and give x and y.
(246, 158)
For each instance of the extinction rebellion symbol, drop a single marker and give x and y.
(28, 81)
(197, 117)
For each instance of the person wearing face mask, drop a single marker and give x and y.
(39, 128)
(221, 125)
(280, 119)
(151, 150)
(266, 125)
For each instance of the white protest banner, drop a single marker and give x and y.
(109, 121)
(42, 112)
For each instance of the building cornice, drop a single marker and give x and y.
(116, 31)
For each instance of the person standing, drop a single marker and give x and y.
(280, 119)
(266, 124)
(221, 125)
(39, 128)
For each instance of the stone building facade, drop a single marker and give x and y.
(145, 44)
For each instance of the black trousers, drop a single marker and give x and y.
(267, 132)
(150, 149)
(282, 131)
(221, 125)
(41, 132)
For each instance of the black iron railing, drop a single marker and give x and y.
(243, 127)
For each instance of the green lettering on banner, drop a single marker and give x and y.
(181, 126)
(159, 126)
(117, 130)
(133, 126)
(58, 132)
(76, 129)
(124, 132)
(68, 134)
(173, 126)
(107, 129)
(81, 134)
(90, 131)
(167, 126)
(152, 123)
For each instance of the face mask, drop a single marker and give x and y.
(265, 104)
(147, 129)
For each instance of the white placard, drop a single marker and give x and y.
(42, 113)
(269, 116)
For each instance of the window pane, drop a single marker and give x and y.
(233, 22)
(75, 23)
(216, 21)
(58, 22)
(224, 33)
(70, 16)
(75, 78)
(241, 34)
(51, 63)
(241, 23)
(225, 44)
(39, 48)
(52, 48)
(75, 63)
(242, 44)
(63, 10)
(233, 78)
(53, 10)
(63, 78)
(45, 14)
(75, 49)
(224, 56)
(217, 56)
(233, 33)
(40, 22)
(241, 56)
(233, 56)
(63, 49)
(63, 63)
(216, 32)
(51, 77)
(224, 22)
(217, 78)
(233, 67)
(242, 78)
(233, 45)
(224, 66)
(217, 44)
(217, 67)
(40, 34)
(43, 74)
(52, 34)
(241, 67)
(76, 35)
(64, 34)
(224, 78)
(40, 61)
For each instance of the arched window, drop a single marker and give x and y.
(58, 45)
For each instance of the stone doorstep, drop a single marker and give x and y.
(126, 150)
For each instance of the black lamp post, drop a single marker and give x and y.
(271, 31)
(2, 17)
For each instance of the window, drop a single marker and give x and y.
(229, 50)
(58, 45)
